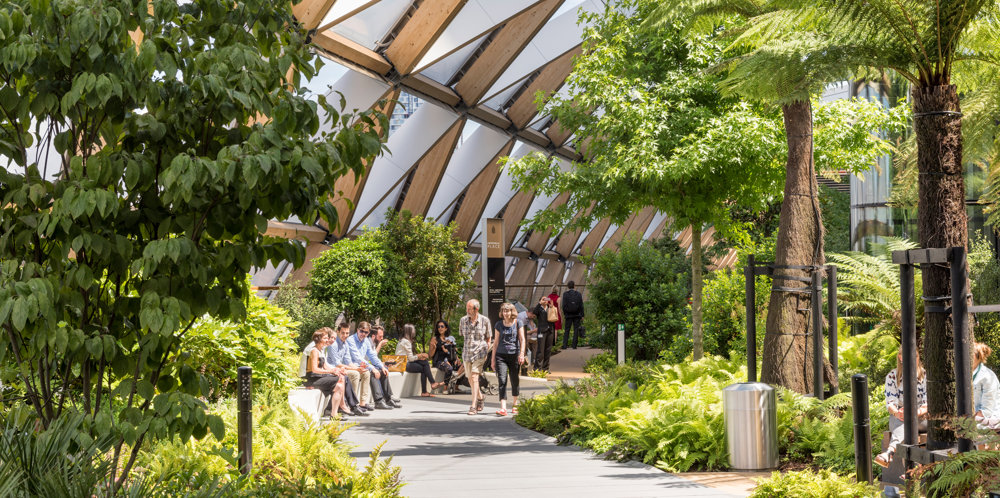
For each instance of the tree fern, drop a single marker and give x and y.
(868, 285)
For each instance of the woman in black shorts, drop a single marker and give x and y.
(319, 376)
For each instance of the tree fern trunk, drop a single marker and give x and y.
(942, 222)
(787, 358)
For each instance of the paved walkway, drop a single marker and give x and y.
(568, 363)
(444, 452)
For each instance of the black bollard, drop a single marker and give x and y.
(244, 419)
(816, 307)
(862, 429)
(749, 274)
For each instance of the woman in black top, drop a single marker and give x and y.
(444, 355)
(508, 349)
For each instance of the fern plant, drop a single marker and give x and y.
(868, 285)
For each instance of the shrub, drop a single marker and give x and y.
(724, 305)
(818, 484)
(600, 363)
(263, 341)
(309, 314)
(872, 353)
(986, 290)
(290, 453)
(359, 276)
(644, 285)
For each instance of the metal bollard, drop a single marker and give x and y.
(244, 419)
(862, 429)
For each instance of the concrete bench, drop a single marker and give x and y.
(310, 401)
(408, 384)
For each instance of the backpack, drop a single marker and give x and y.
(572, 303)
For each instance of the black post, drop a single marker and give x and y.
(831, 314)
(817, 333)
(960, 319)
(750, 274)
(908, 322)
(244, 418)
(862, 429)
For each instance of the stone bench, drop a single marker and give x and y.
(309, 401)
(407, 385)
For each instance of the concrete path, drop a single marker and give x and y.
(568, 363)
(444, 452)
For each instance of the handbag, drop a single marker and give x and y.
(553, 314)
(394, 362)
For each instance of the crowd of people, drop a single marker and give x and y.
(985, 390)
(347, 368)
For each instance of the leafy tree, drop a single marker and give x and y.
(148, 145)
(785, 71)
(360, 276)
(922, 40)
(308, 314)
(656, 132)
(645, 286)
(437, 267)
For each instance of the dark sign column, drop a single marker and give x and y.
(494, 290)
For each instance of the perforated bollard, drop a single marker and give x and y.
(862, 429)
(244, 419)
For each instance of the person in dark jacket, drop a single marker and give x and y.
(572, 312)
(546, 334)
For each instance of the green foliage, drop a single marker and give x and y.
(671, 416)
(538, 374)
(290, 453)
(600, 363)
(360, 276)
(308, 314)
(263, 340)
(836, 208)
(140, 180)
(724, 304)
(973, 473)
(872, 353)
(645, 286)
(868, 286)
(986, 290)
(436, 265)
(818, 484)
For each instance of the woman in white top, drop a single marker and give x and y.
(416, 363)
(985, 386)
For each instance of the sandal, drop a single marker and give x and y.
(473, 411)
(426, 395)
(480, 404)
(502, 413)
(513, 410)
(883, 459)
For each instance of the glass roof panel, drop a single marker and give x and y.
(476, 18)
(369, 26)
(443, 70)
(501, 98)
(343, 8)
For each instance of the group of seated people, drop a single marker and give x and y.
(985, 390)
(347, 368)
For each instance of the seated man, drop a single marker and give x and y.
(380, 384)
(363, 354)
(338, 354)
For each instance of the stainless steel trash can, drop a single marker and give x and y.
(751, 426)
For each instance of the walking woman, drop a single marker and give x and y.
(416, 363)
(475, 329)
(508, 355)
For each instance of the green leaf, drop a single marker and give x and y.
(145, 389)
(217, 426)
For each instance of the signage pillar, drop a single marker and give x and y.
(494, 282)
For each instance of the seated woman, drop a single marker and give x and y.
(985, 386)
(444, 355)
(318, 376)
(894, 401)
(416, 363)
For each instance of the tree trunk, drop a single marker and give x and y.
(941, 222)
(787, 359)
(696, 332)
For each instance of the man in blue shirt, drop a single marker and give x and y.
(364, 354)
(340, 354)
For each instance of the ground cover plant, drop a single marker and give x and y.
(671, 416)
(816, 484)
